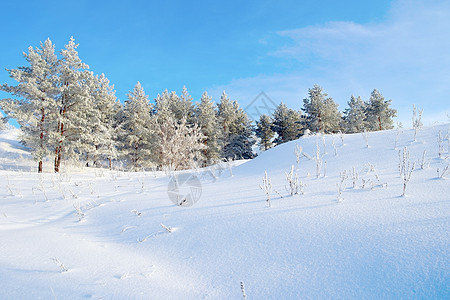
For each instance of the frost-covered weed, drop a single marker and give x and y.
(295, 186)
(61, 266)
(416, 121)
(405, 168)
(341, 186)
(365, 136)
(354, 176)
(266, 187)
(298, 154)
(442, 172)
(79, 211)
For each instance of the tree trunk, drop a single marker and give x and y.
(57, 159)
(41, 137)
(58, 151)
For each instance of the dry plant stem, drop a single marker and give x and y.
(444, 171)
(244, 295)
(60, 265)
(440, 144)
(167, 228)
(266, 187)
(343, 176)
(365, 136)
(405, 168)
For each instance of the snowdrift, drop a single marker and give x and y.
(347, 234)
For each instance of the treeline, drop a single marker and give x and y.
(320, 114)
(68, 113)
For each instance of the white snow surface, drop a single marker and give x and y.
(372, 244)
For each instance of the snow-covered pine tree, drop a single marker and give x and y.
(35, 107)
(355, 115)
(73, 105)
(164, 104)
(236, 130)
(206, 118)
(242, 138)
(138, 128)
(171, 105)
(322, 113)
(264, 131)
(287, 124)
(379, 114)
(184, 108)
(312, 106)
(104, 123)
(331, 117)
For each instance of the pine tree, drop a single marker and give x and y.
(322, 113)
(183, 108)
(206, 118)
(236, 130)
(104, 126)
(73, 106)
(264, 131)
(287, 124)
(332, 118)
(171, 105)
(164, 105)
(312, 106)
(138, 128)
(355, 115)
(379, 114)
(35, 108)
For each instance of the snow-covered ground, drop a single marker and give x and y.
(129, 241)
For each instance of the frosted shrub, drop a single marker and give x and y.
(322, 137)
(416, 120)
(380, 184)
(354, 175)
(366, 182)
(298, 153)
(41, 188)
(266, 187)
(295, 185)
(230, 166)
(141, 183)
(365, 136)
(343, 176)
(405, 168)
(440, 145)
(333, 143)
(8, 186)
(318, 159)
(448, 139)
(79, 211)
(423, 161)
(60, 265)
(443, 172)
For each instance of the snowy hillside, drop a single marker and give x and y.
(114, 235)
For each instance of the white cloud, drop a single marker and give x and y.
(406, 56)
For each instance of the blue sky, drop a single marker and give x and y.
(245, 47)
